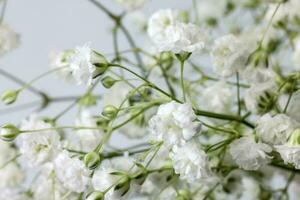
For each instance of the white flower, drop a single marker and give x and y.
(9, 39)
(38, 147)
(289, 154)
(259, 97)
(88, 139)
(211, 10)
(296, 54)
(60, 61)
(132, 4)
(229, 55)
(217, 97)
(174, 124)
(248, 154)
(190, 162)
(294, 107)
(274, 130)
(103, 179)
(13, 194)
(82, 66)
(11, 175)
(71, 172)
(169, 34)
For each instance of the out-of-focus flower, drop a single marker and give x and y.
(169, 34)
(9, 39)
(274, 130)
(190, 162)
(71, 172)
(248, 154)
(132, 4)
(229, 55)
(37, 146)
(174, 124)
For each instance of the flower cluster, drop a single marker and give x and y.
(207, 108)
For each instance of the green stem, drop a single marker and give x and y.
(182, 80)
(238, 93)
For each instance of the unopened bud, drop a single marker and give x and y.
(100, 62)
(9, 132)
(95, 196)
(108, 81)
(110, 111)
(9, 96)
(92, 160)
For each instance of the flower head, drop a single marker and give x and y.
(248, 154)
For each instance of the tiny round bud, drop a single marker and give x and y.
(100, 62)
(108, 82)
(9, 132)
(92, 160)
(9, 96)
(96, 195)
(110, 111)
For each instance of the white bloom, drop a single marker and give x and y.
(9, 39)
(82, 64)
(132, 4)
(190, 162)
(174, 124)
(259, 97)
(229, 55)
(11, 175)
(169, 34)
(274, 130)
(38, 146)
(60, 61)
(248, 154)
(71, 172)
(12, 194)
(296, 54)
(88, 138)
(217, 97)
(290, 154)
(212, 9)
(103, 179)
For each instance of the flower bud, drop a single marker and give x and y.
(110, 111)
(100, 62)
(9, 132)
(9, 96)
(88, 100)
(96, 195)
(108, 82)
(294, 140)
(92, 160)
(123, 186)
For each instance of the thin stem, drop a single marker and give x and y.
(3, 11)
(20, 82)
(61, 128)
(182, 80)
(171, 89)
(289, 99)
(238, 93)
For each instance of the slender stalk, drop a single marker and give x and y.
(238, 93)
(4, 5)
(182, 80)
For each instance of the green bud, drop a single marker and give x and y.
(9, 96)
(294, 139)
(108, 82)
(9, 132)
(184, 195)
(100, 62)
(92, 160)
(96, 195)
(123, 186)
(110, 111)
(266, 102)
